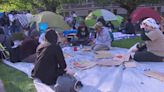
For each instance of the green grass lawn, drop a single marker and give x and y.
(15, 81)
(127, 43)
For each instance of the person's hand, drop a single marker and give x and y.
(94, 41)
(69, 71)
(134, 50)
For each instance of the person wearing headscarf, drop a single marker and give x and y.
(154, 42)
(50, 63)
(103, 39)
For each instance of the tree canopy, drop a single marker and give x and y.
(130, 5)
(52, 5)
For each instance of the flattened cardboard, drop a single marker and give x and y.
(130, 64)
(103, 54)
(109, 62)
(155, 74)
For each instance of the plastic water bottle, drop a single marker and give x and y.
(81, 46)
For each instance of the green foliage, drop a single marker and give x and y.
(130, 5)
(102, 2)
(52, 5)
(8, 5)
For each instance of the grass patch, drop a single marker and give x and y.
(14, 80)
(126, 43)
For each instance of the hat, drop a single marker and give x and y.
(150, 22)
(98, 25)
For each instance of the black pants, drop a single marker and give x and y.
(147, 56)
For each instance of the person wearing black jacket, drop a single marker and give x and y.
(129, 27)
(50, 63)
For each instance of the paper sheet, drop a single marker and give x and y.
(103, 54)
(122, 57)
(130, 64)
(83, 64)
(155, 74)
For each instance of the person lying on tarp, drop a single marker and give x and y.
(83, 34)
(103, 39)
(154, 42)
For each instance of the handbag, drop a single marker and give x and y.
(67, 83)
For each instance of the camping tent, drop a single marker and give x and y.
(53, 20)
(90, 20)
(143, 12)
(118, 21)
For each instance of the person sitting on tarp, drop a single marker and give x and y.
(28, 47)
(23, 48)
(103, 39)
(154, 42)
(129, 27)
(102, 20)
(83, 34)
(50, 63)
(121, 27)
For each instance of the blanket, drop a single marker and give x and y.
(120, 36)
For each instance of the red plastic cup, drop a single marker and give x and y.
(75, 48)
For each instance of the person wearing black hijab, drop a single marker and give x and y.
(50, 63)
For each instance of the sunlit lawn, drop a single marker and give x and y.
(15, 81)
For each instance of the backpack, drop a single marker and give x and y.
(67, 83)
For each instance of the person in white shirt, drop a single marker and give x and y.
(103, 39)
(29, 16)
(11, 17)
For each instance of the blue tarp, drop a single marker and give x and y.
(66, 32)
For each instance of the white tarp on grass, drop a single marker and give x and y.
(134, 79)
(21, 66)
(105, 79)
